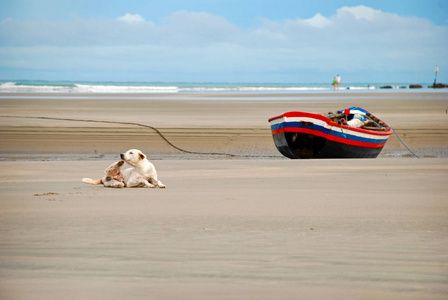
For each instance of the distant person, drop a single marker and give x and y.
(334, 83)
(338, 81)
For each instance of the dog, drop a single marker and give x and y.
(112, 177)
(143, 173)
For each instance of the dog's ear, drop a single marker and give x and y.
(142, 156)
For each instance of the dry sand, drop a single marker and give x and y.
(237, 228)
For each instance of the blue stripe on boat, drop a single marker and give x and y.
(344, 134)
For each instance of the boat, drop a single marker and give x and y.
(346, 133)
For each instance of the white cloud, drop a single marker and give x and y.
(131, 19)
(318, 21)
(353, 39)
(361, 12)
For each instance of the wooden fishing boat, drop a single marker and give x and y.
(347, 133)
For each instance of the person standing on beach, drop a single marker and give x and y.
(334, 83)
(338, 80)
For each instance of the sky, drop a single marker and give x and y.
(283, 41)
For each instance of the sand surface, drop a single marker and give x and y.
(235, 124)
(252, 227)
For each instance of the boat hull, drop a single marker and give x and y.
(305, 135)
(310, 146)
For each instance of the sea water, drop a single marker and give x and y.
(26, 86)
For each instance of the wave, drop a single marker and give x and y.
(124, 89)
(151, 88)
(251, 89)
(13, 87)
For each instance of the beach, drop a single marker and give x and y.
(98, 125)
(237, 220)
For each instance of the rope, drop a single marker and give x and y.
(140, 125)
(166, 140)
(404, 143)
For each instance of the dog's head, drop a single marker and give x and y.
(133, 156)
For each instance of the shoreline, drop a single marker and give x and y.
(229, 94)
(200, 87)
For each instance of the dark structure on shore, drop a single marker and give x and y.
(438, 86)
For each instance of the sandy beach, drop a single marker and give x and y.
(236, 222)
(228, 123)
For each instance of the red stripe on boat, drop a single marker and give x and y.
(329, 137)
(299, 114)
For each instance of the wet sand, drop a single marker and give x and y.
(252, 227)
(235, 124)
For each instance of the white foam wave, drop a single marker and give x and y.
(130, 88)
(12, 87)
(7, 84)
(360, 88)
(251, 89)
(124, 89)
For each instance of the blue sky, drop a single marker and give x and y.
(224, 40)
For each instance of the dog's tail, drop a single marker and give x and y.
(92, 181)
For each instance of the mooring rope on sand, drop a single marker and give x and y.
(139, 125)
(164, 138)
(404, 143)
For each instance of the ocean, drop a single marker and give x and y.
(27, 86)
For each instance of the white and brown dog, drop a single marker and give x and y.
(141, 174)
